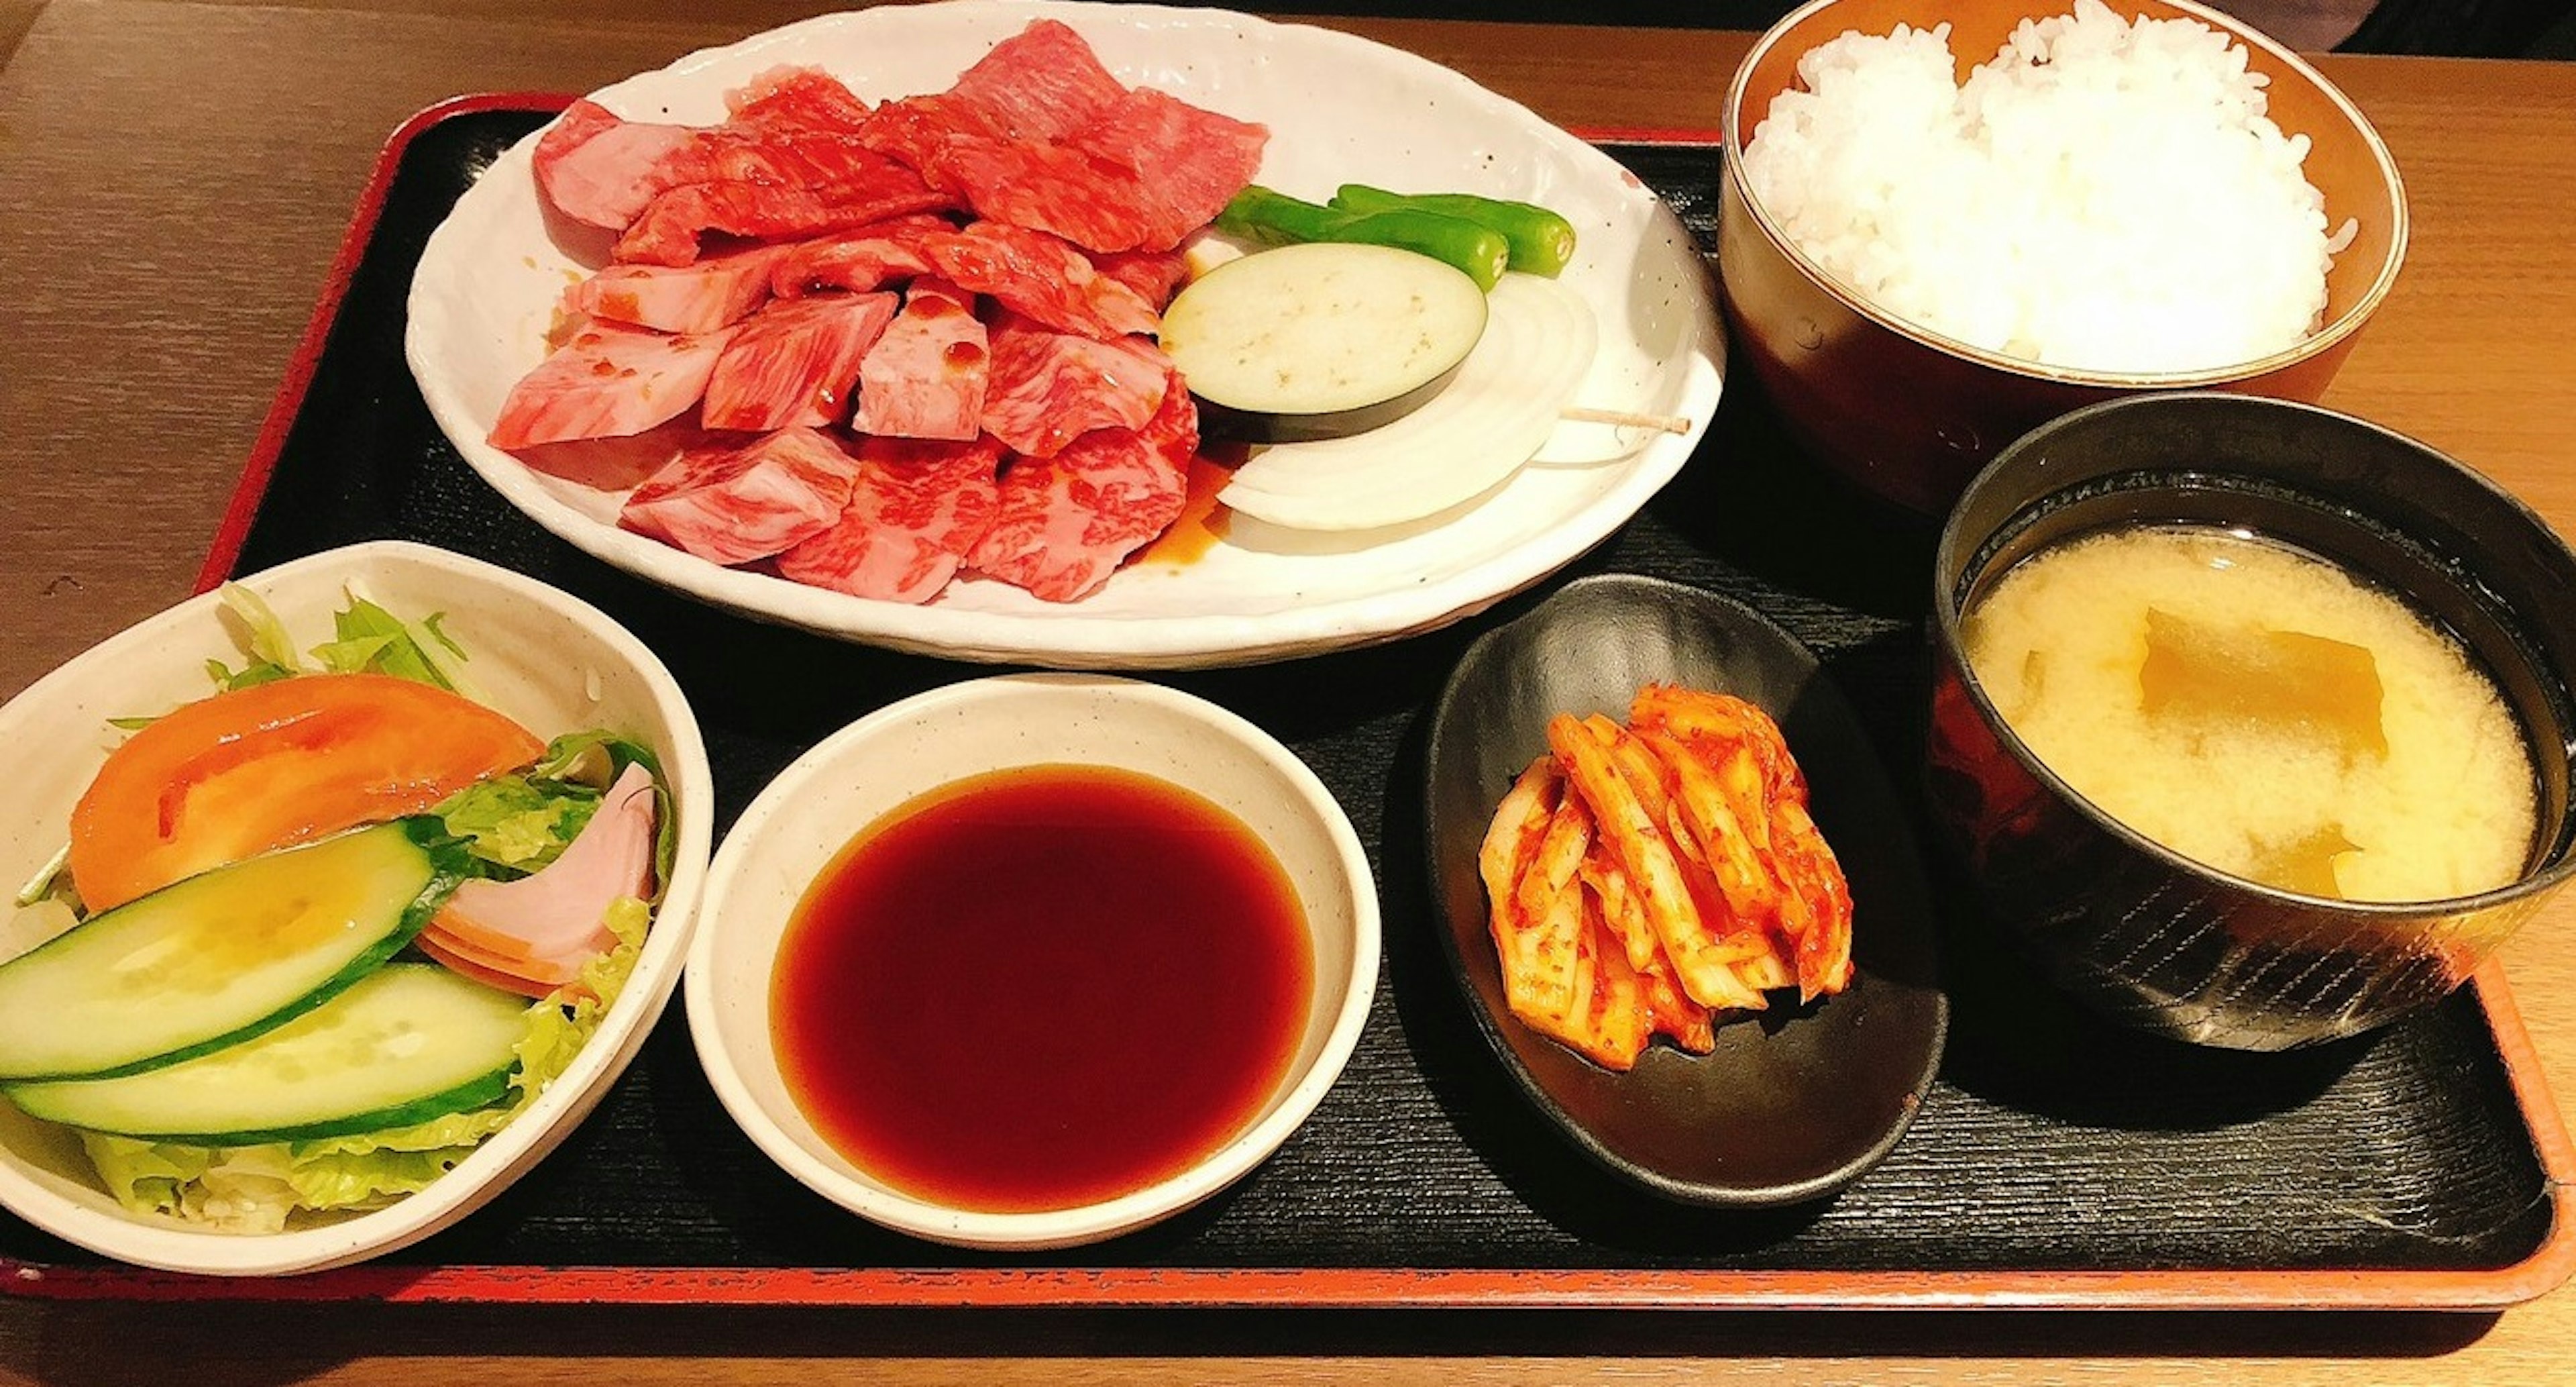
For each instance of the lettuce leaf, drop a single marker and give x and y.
(264, 640)
(372, 640)
(257, 1188)
(518, 822)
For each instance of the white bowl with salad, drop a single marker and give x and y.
(349, 889)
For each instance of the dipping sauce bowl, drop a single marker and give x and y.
(856, 790)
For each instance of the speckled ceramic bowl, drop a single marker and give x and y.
(554, 663)
(783, 842)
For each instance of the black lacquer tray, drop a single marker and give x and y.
(2057, 1161)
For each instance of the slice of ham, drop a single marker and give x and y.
(459, 957)
(1041, 276)
(850, 186)
(607, 381)
(1064, 524)
(717, 291)
(926, 376)
(1050, 388)
(795, 362)
(730, 505)
(557, 917)
(915, 511)
(870, 258)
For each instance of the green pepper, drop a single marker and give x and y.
(1275, 219)
(1542, 242)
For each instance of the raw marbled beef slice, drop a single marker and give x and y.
(1041, 276)
(915, 510)
(1049, 388)
(795, 362)
(607, 381)
(1064, 524)
(928, 373)
(715, 292)
(730, 505)
(871, 257)
(1188, 161)
(857, 187)
(797, 99)
(594, 167)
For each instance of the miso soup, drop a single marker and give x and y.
(2261, 711)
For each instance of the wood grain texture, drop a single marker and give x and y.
(178, 177)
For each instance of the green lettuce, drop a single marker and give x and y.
(518, 822)
(257, 1188)
(371, 640)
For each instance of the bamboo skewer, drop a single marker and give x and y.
(1662, 423)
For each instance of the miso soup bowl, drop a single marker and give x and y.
(828, 796)
(1908, 414)
(2151, 937)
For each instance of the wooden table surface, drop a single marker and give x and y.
(174, 178)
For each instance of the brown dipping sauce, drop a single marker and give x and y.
(1041, 988)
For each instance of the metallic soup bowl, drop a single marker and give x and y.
(2155, 939)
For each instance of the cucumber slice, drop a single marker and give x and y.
(1321, 340)
(222, 956)
(407, 1043)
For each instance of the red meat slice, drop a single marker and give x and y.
(798, 131)
(1190, 161)
(846, 186)
(1064, 524)
(795, 362)
(869, 258)
(1144, 173)
(710, 294)
(1093, 202)
(797, 99)
(607, 381)
(1042, 83)
(1155, 275)
(926, 376)
(1041, 276)
(915, 510)
(594, 167)
(730, 505)
(1050, 388)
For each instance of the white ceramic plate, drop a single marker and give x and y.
(774, 852)
(551, 661)
(1339, 109)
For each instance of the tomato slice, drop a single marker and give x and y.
(263, 767)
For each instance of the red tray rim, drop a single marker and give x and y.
(2548, 1265)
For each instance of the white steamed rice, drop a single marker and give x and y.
(2103, 195)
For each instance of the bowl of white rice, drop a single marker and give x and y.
(1945, 224)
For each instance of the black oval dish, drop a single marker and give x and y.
(1795, 1103)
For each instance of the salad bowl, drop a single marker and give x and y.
(551, 662)
(488, 284)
